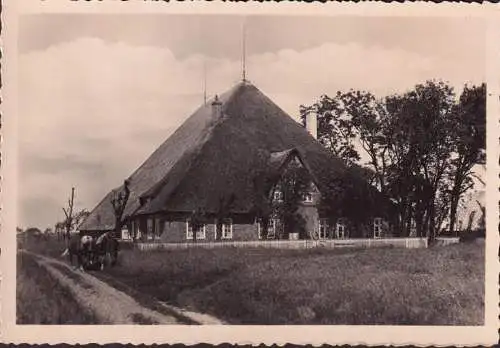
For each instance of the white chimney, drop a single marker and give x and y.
(217, 108)
(312, 124)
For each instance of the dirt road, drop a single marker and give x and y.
(110, 305)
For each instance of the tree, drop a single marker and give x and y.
(335, 132)
(354, 117)
(59, 228)
(33, 232)
(68, 212)
(424, 117)
(79, 217)
(421, 146)
(119, 202)
(294, 183)
(470, 142)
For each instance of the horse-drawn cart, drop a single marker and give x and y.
(93, 253)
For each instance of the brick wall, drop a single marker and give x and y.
(175, 232)
(245, 228)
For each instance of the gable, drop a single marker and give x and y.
(293, 162)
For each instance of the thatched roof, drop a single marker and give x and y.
(211, 156)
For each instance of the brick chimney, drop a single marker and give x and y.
(217, 107)
(312, 124)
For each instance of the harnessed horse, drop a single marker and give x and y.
(91, 252)
(106, 248)
(81, 248)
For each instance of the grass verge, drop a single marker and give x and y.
(143, 299)
(42, 300)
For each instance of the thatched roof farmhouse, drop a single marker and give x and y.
(218, 155)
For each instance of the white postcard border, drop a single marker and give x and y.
(370, 335)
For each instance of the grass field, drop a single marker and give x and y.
(41, 300)
(435, 286)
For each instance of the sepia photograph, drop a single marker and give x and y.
(189, 169)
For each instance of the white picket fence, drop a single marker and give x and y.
(408, 243)
(442, 241)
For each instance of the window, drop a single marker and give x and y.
(149, 229)
(259, 228)
(323, 228)
(133, 229)
(340, 229)
(377, 227)
(125, 234)
(158, 229)
(308, 197)
(278, 195)
(227, 229)
(136, 229)
(200, 232)
(273, 227)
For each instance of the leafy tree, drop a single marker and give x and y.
(470, 142)
(334, 131)
(422, 124)
(294, 183)
(33, 232)
(79, 217)
(421, 146)
(350, 118)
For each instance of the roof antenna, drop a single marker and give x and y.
(244, 72)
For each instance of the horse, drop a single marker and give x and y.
(106, 249)
(81, 248)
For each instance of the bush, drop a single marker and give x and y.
(472, 235)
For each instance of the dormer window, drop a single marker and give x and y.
(308, 197)
(278, 195)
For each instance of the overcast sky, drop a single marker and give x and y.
(99, 93)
